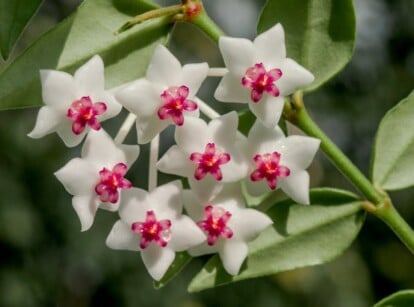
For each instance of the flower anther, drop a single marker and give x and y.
(215, 224)
(152, 230)
(268, 168)
(259, 80)
(83, 112)
(209, 162)
(111, 182)
(175, 103)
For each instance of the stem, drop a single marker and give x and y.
(125, 128)
(206, 109)
(207, 25)
(152, 175)
(217, 71)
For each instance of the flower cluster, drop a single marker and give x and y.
(211, 216)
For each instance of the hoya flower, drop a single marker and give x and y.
(207, 155)
(279, 161)
(153, 224)
(260, 74)
(227, 224)
(74, 104)
(165, 96)
(96, 179)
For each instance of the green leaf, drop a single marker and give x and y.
(180, 261)
(300, 236)
(393, 156)
(14, 16)
(319, 34)
(87, 32)
(404, 298)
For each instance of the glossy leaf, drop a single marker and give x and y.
(319, 34)
(393, 157)
(180, 261)
(404, 298)
(300, 236)
(87, 32)
(14, 16)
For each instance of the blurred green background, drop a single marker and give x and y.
(46, 261)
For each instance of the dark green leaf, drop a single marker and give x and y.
(404, 298)
(14, 15)
(320, 34)
(87, 32)
(300, 236)
(393, 157)
(180, 261)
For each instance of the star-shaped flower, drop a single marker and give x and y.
(207, 154)
(74, 104)
(153, 224)
(260, 74)
(278, 161)
(165, 96)
(96, 179)
(227, 224)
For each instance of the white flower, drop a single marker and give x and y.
(279, 161)
(95, 180)
(153, 224)
(75, 104)
(207, 154)
(227, 224)
(165, 96)
(260, 74)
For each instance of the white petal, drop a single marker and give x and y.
(167, 200)
(48, 119)
(174, 161)
(58, 89)
(236, 169)
(85, 207)
(257, 188)
(149, 127)
(78, 177)
(268, 110)
(230, 89)
(113, 107)
(164, 68)
(247, 224)
(89, 78)
(261, 139)
(185, 234)
(157, 260)
(203, 249)
(232, 255)
(193, 76)
(122, 237)
(140, 98)
(238, 54)
(205, 189)
(270, 45)
(294, 77)
(296, 185)
(192, 136)
(131, 153)
(134, 206)
(223, 129)
(299, 151)
(66, 134)
(192, 205)
(110, 206)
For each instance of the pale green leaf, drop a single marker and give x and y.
(320, 34)
(393, 157)
(300, 236)
(404, 298)
(87, 32)
(14, 16)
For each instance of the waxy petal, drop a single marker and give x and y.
(164, 68)
(299, 151)
(193, 136)
(249, 224)
(238, 54)
(268, 110)
(175, 161)
(185, 234)
(157, 260)
(232, 254)
(58, 89)
(121, 237)
(193, 76)
(296, 185)
(231, 90)
(270, 46)
(66, 134)
(85, 207)
(89, 78)
(294, 77)
(48, 120)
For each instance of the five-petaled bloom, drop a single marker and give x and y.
(260, 74)
(227, 224)
(165, 96)
(96, 179)
(279, 161)
(208, 155)
(74, 104)
(152, 222)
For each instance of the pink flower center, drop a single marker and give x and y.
(259, 80)
(175, 102)
(82, 112)
(111, 182)
(209, 162)
(152, 230)
(215, 224)
(268, 168)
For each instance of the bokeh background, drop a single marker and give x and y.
(46, 261)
